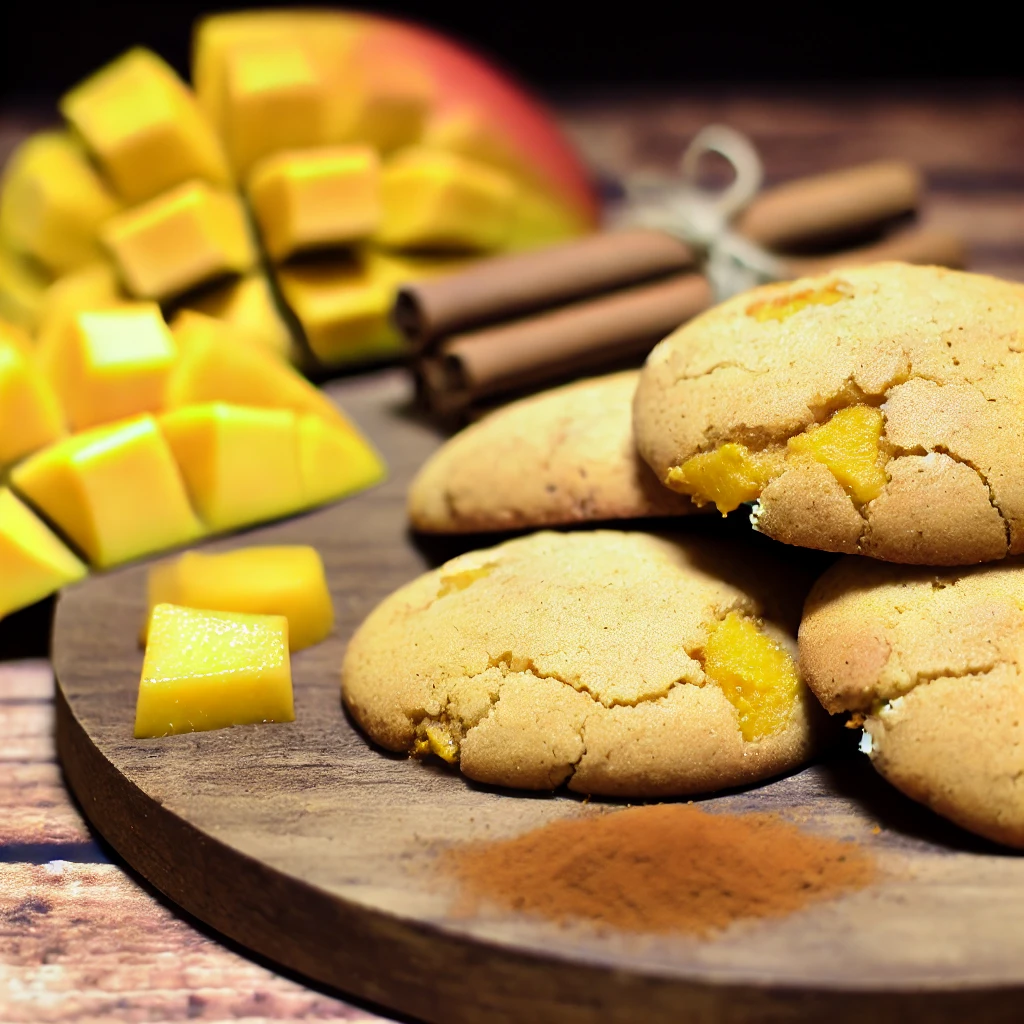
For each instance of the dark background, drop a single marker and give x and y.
(569, 49)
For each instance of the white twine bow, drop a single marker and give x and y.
(702, 218)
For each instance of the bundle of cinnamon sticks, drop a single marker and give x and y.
(513, 323)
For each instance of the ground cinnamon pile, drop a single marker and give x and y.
(663, 868)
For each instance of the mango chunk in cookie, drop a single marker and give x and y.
(615, 663)
(879, 411)
(933, 663)
(566, 455)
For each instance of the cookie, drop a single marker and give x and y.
(878, 410)
(617, 663)
(563, 456)
(933, 661)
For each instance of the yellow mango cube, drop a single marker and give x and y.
(23, 284)
(144, 127)
(208, 670)
(728, 476)
(117, 363)
(114, 491)
(274, 98)
(240, 464)
(33, 562)
(16, 337)
(52, 202)
(312, 198)
(335, 462)
(30, 415)
(217, 365)
(191, 234)
(848, 444)
(247, 304)
(286, 581)
(755, 673)
(438, 200)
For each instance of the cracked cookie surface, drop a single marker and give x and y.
(579, 659)
(877, 410)
(934, 662)
(563, 456)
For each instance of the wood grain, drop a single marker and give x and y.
(310, 846)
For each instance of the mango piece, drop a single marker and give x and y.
(307, 199)
(30, 415)
(23, 284)
(756, 674)
(240, 464)
(207, 670)
(144, 127)
(33, 562)
(186, 236)
(17, 338)
(217, 365)
(335, 462)
(437, 200)
(247, 304)
(275, 97)
(117, 363)
(52, 202)
(114, 491)
(789, 303)
(848, 444)
(286, 581)
(728, 476)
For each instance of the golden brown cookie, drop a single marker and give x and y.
(877, 410)
(618, 663)
(933, 659)
(563, 456)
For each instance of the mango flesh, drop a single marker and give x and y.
(728, 476)
(438, 200)
(848, 444)
(789, 303)
(117, 363)
(308, 199)
(52, 202)
(23, 285)
(182, 238)
(114, 491)
(33, 562)
(334, 462)
(30, 415)
(143, 126)
(755, 673)
(286, 581)
(208, 670)
(240, 464)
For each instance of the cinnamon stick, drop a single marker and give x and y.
(509, 286)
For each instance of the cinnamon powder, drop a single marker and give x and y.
(661, 868)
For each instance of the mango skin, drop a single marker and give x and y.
(285, 580)
(208, 670)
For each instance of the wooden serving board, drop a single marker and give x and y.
(311, 847)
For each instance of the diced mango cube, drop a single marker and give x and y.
(312, 198)
(287, 581)
(52, 202)
(335, 462)
(240, 464)
(728, 476)
(207, 670)
(144, 127)
(216, 365)
(33, 562)
(118, 362)
(248, 305)
(184, 237)
(30, 415)
(23, 284)
(275, 97)
(16, 337)
(755, 673)
(437, 200)
(114, 491)
(848, 444)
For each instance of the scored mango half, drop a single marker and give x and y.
(283, 580)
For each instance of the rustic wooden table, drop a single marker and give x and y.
(81, 937)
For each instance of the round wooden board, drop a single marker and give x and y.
(311, 847)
